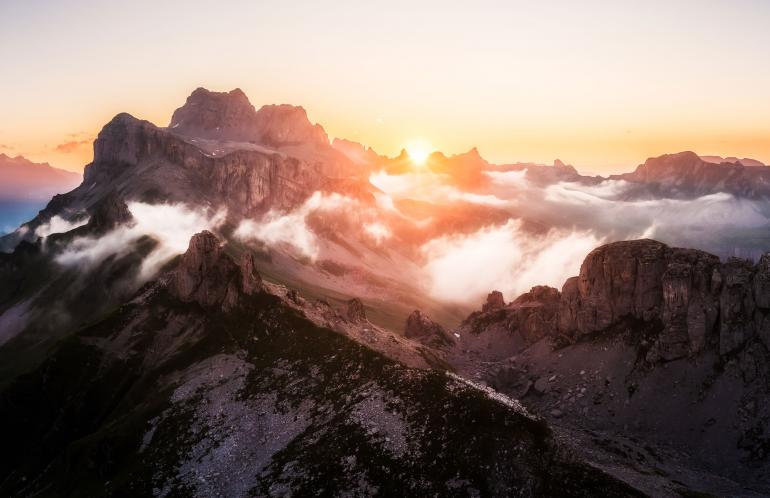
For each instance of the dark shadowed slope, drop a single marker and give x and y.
(206, 385)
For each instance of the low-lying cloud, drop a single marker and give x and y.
(57, 224)
(575, 218)
(290, 229)
(171, 225)
(464, 268)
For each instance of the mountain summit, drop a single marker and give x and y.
(230, 116)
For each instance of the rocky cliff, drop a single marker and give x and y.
(694, 300)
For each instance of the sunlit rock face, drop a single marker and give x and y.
(218, 115)
(230, 116)
(146, 161)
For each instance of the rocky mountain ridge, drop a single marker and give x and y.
(203, 385)
(696, 300)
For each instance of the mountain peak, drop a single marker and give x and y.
(231, 116)
(286, 124)
(211, 114)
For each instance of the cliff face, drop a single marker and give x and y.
(694, 300)
(140, 159)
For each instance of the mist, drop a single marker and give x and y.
(574, 218)
(170, 225)
(464, 268)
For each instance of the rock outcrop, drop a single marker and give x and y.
(500, 330)
(354, 311)
(108, 213)
(422, 329)
(209, 277)
(495, 301)
(144, 162)
(694, 300)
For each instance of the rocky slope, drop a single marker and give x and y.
(664, 343)
(204, 384)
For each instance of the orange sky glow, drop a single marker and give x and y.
(602, 88)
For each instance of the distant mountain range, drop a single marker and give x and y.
(22, 179)
(26, 187)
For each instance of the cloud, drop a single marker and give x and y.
(171, 225)
(465, 268)
(290, 229)
(514, 178)
(377, 231)
(6, 147)
(57, 224)
(414, 185)
(72, 146)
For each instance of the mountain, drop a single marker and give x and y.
(206, 384)
(26, 186)
(686, 174)
(664, 345)
(21, 179)
(733, 160)
(232, 305)
(230, 116)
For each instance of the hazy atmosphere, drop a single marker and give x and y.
(392, 249)
(602, 86)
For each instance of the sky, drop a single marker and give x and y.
(599, 84)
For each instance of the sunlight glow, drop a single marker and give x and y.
(418, 151)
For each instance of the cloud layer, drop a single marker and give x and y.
(171, 225)
(464, 268)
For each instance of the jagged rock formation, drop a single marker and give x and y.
(154, 159)
(210, 278)
(230, 116)
(422, 329)
(495, 301)
(695, 300)
(499, 330)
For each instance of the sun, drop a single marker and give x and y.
(418, 151)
